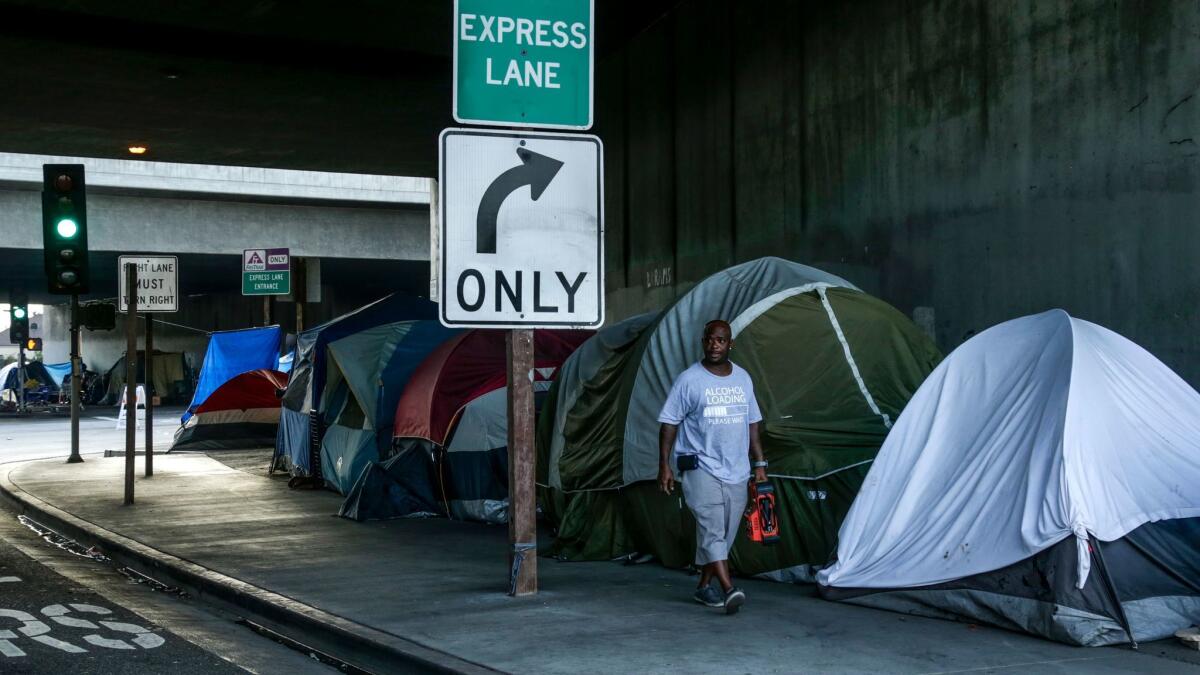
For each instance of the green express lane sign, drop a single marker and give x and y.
(266, 271)
(523, 63)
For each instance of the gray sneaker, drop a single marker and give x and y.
(709, 597)
(734, 600)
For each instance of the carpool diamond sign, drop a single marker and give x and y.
(523, 63)
(266, 271)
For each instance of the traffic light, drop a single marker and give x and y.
(18, 323)
(33, 345)
(98, 316)
(64, 229)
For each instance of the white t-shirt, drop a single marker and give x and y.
(714, 415)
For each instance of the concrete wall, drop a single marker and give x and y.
(986, 159)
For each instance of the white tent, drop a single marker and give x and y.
(1035, 433)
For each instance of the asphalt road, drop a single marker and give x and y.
(50, 625)
(42, 435)
(61, 598)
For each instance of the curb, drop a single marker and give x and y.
(406, 655)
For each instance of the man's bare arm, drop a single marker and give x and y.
(756, 453)
(666, 441)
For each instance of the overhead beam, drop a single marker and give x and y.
(226, 182)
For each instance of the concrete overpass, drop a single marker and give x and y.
(182, 209)
(356, 236)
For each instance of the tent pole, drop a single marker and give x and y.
(1112, 588)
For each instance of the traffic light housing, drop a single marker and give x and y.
(18, 323)
(33, 344)
(98, 316)
(64, 229)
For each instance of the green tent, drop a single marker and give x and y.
(832, 368)
(365, 374)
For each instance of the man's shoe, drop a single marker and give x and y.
(734, 600)
(709, 597)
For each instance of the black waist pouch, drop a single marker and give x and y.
(687, 462)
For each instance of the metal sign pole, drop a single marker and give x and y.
(131, 289)
(149, 395)
(76, 382)
(300, 291)
(21, 378)
(522, 506)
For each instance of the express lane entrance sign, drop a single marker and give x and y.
(522, 229)
(523, 63)
(266, 271)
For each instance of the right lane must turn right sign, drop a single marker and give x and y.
(522, 229)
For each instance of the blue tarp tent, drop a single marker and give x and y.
(307, 383)
(59, 371)
(231, 353)
(45, 391)
(34, 370)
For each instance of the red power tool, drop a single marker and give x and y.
(763, 517)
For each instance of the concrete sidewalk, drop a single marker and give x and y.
(427, 594)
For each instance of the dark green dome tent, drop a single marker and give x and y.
(832, 368)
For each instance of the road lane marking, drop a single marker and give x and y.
(59, 644)
(149, 640)
(73, 623)
(107, 643)
(37, 630)
(145, 639)
(7, 648)
(91, 609)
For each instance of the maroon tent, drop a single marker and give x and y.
(242, 413)
(467, 367)
(473, 481)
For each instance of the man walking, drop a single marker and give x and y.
(710, 422)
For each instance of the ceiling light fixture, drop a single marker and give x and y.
(137, 149)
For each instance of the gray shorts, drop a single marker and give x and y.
(718, 510)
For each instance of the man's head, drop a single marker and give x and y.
(717, 341)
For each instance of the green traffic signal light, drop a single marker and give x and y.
(18, 329)
(67, 228)
(64, 229)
